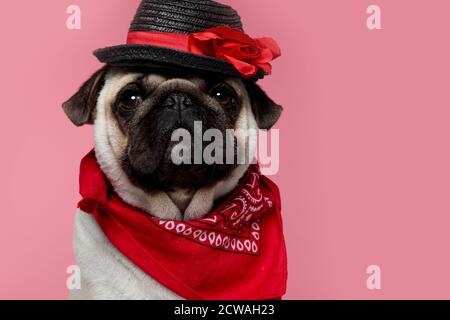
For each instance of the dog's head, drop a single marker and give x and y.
(136, 111)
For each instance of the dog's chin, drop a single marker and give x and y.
(170, 177)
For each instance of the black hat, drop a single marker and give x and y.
(197, 34)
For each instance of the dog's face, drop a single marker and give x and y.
(136, 112)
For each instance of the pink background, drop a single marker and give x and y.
(365, 174)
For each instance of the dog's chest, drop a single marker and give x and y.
(105, 272)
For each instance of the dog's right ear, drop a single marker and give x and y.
(80, 108)
(266, 111)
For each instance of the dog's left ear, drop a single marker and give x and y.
(80, 108)
(266, 111)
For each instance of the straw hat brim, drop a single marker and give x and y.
(138, 55)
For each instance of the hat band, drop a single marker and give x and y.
(160, 39)
(246, 54)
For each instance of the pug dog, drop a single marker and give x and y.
(134, 112)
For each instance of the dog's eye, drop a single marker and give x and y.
(130, 98)
(224, 94)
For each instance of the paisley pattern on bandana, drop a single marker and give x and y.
(235, 228)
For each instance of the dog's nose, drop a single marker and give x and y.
(178, 101)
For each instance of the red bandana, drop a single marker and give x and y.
(236, 253)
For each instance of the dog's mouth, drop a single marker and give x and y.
(169, 149)
(165, 173)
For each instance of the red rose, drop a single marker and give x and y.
(247, 55)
